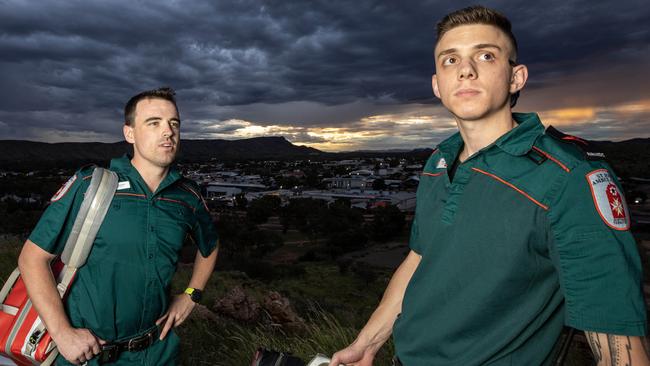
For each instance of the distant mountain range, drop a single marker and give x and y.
(15, 153)
(629, 158)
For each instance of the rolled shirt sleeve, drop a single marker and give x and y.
(595, 253)
(204, 232)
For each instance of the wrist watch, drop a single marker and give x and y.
(195, 294)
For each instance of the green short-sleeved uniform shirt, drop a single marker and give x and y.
(124, 286)
(529, 235)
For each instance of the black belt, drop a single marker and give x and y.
(111, 351)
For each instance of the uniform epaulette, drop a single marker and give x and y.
(87, 168)
(190, 183)
(585, 146)
(194, 188)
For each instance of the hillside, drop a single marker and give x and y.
(20, 154)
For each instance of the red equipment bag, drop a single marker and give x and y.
(23, 337)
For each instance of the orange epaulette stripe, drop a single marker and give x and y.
(432, 174)
(574, 138)
(513, 187)
(130, 194)
(87, 177)
(552, 158)
(434, 151)
(189, 189)
(176, 201)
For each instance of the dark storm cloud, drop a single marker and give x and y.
(69, 66)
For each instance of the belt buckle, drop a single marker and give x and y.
(110, 353)
(139, 343)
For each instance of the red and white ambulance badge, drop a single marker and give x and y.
(442, 164)
(64, 189)
(609, 201)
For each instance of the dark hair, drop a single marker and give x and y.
(478, 14)
(165, 93)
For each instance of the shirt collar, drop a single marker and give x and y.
(517, 141)
(520, 139)
(124, 166)
(451, 147)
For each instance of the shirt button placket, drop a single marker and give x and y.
(455, 192)
(149, 263)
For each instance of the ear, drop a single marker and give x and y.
(128, 133)
(518, 78)
(434, 85)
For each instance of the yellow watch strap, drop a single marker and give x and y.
(189, 291)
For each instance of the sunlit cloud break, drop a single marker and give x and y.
(421, 126)
(617, 122)
(405, 130)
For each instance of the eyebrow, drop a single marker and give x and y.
(159, 119)
(476, 47)
(486, 45)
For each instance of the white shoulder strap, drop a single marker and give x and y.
(93, 209)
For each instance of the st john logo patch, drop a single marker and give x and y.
(442, 164)
(64, 189)
(608, 199)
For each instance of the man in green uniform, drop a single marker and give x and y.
(517, 231)
(119, 300)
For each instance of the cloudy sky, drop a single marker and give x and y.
(335, 75)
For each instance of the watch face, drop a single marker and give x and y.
(196, 295)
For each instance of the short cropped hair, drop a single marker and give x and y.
(478, 14)
(165, 93)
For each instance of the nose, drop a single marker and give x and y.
(467, 70)
(168, 131)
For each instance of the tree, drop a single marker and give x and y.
(239, 238)
(229, 226)
(341, 242)
(388, 221)
(261, 209)
(305, 214)
(240, 201)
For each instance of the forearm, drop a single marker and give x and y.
(203, 267)
(380, 325)
(41, 288)
(615, 350)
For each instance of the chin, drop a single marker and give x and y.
(468, 111)
(470, 115)
(165, 162)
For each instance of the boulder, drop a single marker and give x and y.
(239, 305)
(281, 312)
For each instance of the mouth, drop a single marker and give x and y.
(466, 92)
(167, 145)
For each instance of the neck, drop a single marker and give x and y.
(151, 174)
(478, 134)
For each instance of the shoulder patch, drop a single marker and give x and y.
(442, 164)
(584, 145)
(608, 199)
(64, 189)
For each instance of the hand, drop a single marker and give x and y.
(354, 355)
(78, 345)
(179, 310)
